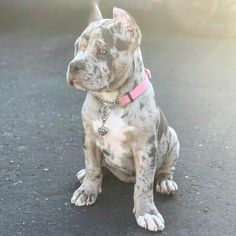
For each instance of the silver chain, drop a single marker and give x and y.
(107, 107)
(103, 102)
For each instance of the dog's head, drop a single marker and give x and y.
(104, 52)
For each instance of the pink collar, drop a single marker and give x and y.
(137, 91)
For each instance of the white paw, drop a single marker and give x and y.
(151, 222)
(80, 175)
(167, 187)
(82, 197)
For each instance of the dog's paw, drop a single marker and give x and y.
(167, 187)
(87, 193)
(80, 175)
(151, 222)
(147, 216)
(83, 197)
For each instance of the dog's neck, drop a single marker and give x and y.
(132, 79)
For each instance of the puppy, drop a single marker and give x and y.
(125, 131)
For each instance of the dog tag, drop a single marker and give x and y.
(102, 130)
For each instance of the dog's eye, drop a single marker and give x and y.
(102, 51)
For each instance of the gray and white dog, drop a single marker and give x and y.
(134, 142)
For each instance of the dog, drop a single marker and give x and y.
(125, 132)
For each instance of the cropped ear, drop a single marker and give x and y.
(129, 27)
(95, 13)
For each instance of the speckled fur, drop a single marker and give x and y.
(139, 145)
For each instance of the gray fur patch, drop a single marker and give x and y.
(141, 105)
(151, 140)
(109, 41)
(104, 151)
(121, 45)
(162, 127)
(152, 152)
(108, 37)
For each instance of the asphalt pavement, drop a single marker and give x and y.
(41, 130)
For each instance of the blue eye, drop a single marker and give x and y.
(102, 51)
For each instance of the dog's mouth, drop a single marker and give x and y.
(72, 81)
(77, 84)
(86, 82)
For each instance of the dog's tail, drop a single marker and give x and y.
(95, 12)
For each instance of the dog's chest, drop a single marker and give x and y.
(114, 145)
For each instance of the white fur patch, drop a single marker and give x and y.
(151, 222)
(117, 129)
(116, 136)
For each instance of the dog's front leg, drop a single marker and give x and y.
(146, 213)
(87, 193)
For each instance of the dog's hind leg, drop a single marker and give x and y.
(164, 175)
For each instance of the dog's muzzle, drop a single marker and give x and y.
(74, 68)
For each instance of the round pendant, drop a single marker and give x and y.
(102, 130)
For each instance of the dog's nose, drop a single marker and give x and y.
(75, 66)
